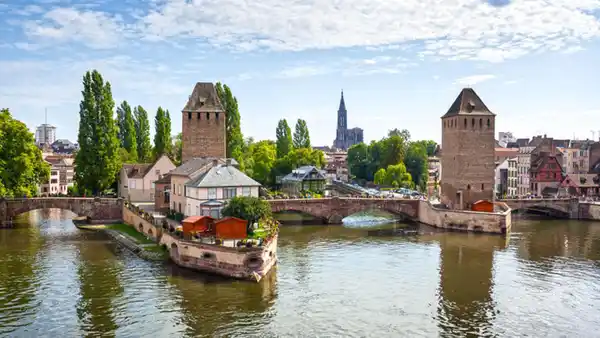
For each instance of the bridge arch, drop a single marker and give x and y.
(333, 210)
(93, 208)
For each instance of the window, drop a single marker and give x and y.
(157, 172)
(54, 180)
(488, 123)
(207, 116)
(465, 122)
(217, 116)
(153, 186)
(212, 193)
(179, 190)
(198, 116)
(189, 210)
(189, 115)
(473, 123)
(132, 184)
(444, 124)
(480, 123)
(482, 186)
(197, 210)
(174, 188)
(166, 196)
(246, 191)
(229, 193)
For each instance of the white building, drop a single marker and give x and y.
(506, 178)
(62, 173)
(208, 193)
(576, 158)
(136, 181)
(45, 134)
(523, 166)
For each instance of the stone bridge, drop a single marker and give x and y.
(97, 209)
(333, 210)
(565, 207)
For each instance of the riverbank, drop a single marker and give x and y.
(128, 237)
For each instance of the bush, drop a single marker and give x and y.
(248, 208)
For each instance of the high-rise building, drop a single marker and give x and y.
(45, 134)
(203, 124)
(345, 137)
(467, 152)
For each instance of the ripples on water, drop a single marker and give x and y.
(331, 281)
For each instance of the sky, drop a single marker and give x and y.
(401, 64)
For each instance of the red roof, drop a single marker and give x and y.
(230, 218)
(194, 219)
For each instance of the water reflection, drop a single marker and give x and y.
(544, 280)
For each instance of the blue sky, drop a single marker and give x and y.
(400, 63)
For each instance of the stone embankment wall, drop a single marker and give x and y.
(589, 211)
(142, 225)
(499, 223)
(235, 262)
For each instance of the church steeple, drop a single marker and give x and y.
(342, 104)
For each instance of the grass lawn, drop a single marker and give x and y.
(131, 232)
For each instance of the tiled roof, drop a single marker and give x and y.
(222, 176)
(301, 174)
(204, 98)
(467, 103)
(194, 165)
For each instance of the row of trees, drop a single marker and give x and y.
(266, 160)
(393, 161)
(22, 168)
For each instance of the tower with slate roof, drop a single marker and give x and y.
(203, 124)
(468, 162)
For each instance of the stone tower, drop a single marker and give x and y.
(468, 144)
(203, 124)
(342, 125)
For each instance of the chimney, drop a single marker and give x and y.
(228, 162)
(215, 162)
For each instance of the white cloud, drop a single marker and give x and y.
(474, 79)
(95, 29)
(450, 29)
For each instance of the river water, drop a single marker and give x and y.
(543, 281)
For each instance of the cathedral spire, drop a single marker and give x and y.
(342, 103)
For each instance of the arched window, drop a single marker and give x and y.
(480, 123)
(488, 123)
(465, 122)
(473, 123)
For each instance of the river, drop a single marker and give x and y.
(543, 281)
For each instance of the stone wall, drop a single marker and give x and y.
(499, 223)
(589, 211)
(203, 135)
(142, 225)
(97, 209)
(333, 210)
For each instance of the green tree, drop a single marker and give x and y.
(358, 161)
(142, 133)
(380, 176)
(22, 168)
(397, 176)
(301, 135)
(394, 150)
(126, 131)
(162, 135)
(260, 161)
(416, 164)
(234, 137)
(97, 160)
(405, 134)
(284, 139)
(251, 209)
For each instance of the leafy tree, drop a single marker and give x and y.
(284, 138)
(380, 176)
(297, 158)
(405, 134)
(416, 164)
(301, 135)
(234, 137)
(162, 135)
(177, 149)
(251, 209)
(97, 160)
(22, 168)
(397, 176)
(142, 133)
(358, 161)
(394, 150)
(429, 145)
(126, 132)
(260, 161)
